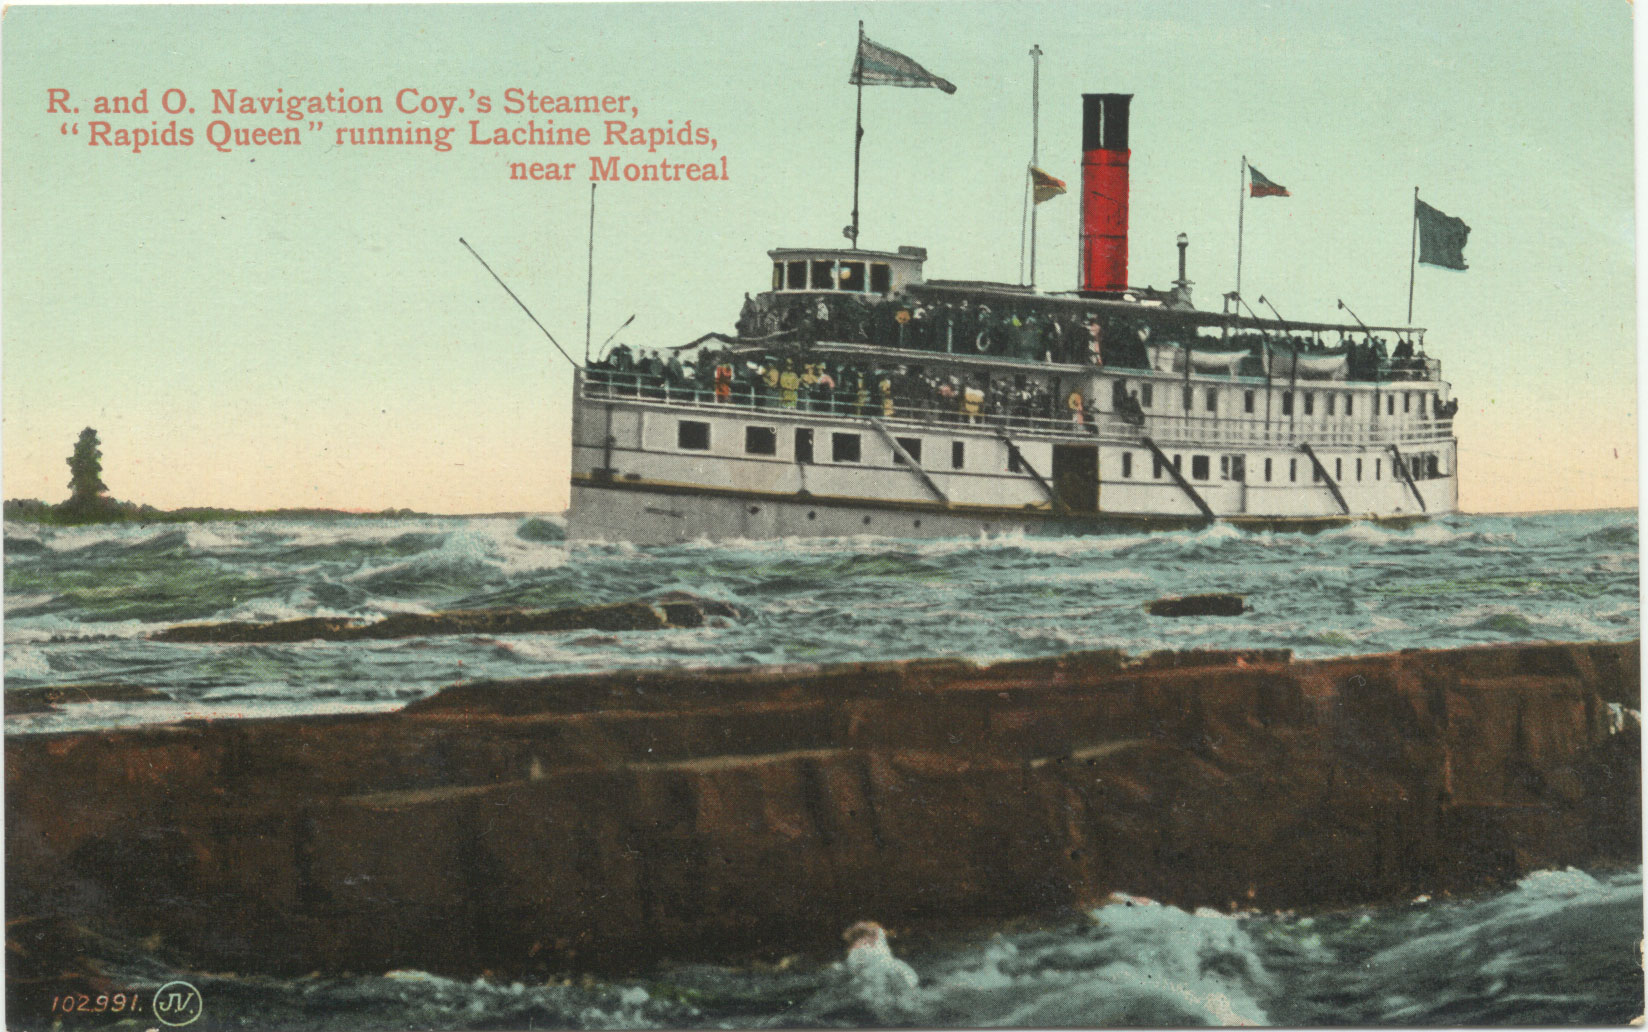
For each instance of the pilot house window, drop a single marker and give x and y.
(852, 276)
(881, 278)
(797, 273)
(823, 277)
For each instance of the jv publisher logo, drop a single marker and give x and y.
(177, 1004)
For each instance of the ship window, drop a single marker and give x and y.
(1224, 467)
(881, 278)
(912, 445)
(1014, 464)
(1433, 467)
(1198, 466)
(778, 275)
(1156, 467)
(958, 454)
(1390, 404)
(1310, 403)
(1287, 403)
(1127, 464)
(1247, 401)
(804, 445)
(1348, 398)
(1267, 471)
(1331, 400)
(1358, 469)
(1378, 469)
(1178, 465)
(852, 276)
(823, 277)
(760, 440)
(1293, 470)
(1407, 401)
(1212, 401)
(797, 272)
(692, 435)
(1315, 473)
(1147, 395)
(1338, 469)
(1238, 467)
(1187, 402)
(844, 448)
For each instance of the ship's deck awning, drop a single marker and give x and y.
(1156, 313)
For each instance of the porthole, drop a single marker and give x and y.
(812, 515)
(754, 509)
(918, 523)
(866, 521)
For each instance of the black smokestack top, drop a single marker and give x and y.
(1104, 121)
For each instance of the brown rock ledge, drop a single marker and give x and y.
(612, 821)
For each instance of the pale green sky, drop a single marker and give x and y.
(300, 326)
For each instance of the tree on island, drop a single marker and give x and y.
(87, 499)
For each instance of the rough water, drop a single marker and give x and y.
(79, 601)
(1560, 947)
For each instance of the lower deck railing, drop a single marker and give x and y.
(1025, 417)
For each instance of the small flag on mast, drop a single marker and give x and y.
(1262, 187)
(1044, 187)
(1441, 237)
(878, 66)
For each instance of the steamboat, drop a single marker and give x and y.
(860, 396)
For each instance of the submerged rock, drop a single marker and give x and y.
(667, 611)
(47, 699)
(1198, 605)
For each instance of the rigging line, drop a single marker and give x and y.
(518, 301)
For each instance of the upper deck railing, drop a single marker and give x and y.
(1035, 420)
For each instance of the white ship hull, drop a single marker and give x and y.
(654, 466)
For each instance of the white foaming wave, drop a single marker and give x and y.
(22, 603)
(294, 605)
(73, 539)
(1140, 964)
(488, 543)
(52, 625)
(25, 661)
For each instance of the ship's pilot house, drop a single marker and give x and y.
(875, 273)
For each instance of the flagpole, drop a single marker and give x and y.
(589, 281)
(1241, 217)
(858, 131)
(1413, 253)
(1035, 144)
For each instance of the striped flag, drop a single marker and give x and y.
(878, 66)
(1262, 187)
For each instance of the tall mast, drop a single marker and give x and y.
(589, 278)
(1035, 144)
(858, 135)
(1241, 214)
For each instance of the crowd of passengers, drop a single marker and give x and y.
(961, 327)
(804, 382)
(1026, 333)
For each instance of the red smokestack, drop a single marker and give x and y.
(1104, 191)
